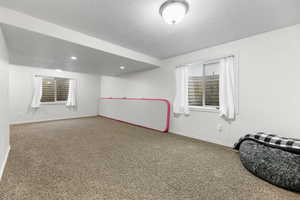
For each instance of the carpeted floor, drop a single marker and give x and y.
(96, 158)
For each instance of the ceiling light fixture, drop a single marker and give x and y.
(122, 67)
(58, 70)
(173, 11)
(73, 57)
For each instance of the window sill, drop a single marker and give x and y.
(54, 103)
(204, 109)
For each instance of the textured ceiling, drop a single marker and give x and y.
(37, 50)
(137, 25)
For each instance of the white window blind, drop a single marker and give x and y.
(55, 89)
(62, 89)
(195, 91)
(203, 85)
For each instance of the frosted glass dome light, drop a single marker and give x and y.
(173, 11)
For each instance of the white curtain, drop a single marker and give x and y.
(72, 93)
(228, 88)
(181, 105)
(37, 92)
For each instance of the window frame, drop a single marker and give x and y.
(54, 102)
(204, 107)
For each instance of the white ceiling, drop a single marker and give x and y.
(137, 25)
(33, 49)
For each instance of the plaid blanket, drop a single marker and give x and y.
(286, 144)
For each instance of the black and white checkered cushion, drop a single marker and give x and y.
(288, 144)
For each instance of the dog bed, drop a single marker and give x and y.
(275, 165)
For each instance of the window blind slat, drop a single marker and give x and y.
(212, 90)
(62, 88)
(195, 90)
(48, 90)
(55, 89)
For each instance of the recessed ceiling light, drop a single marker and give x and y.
(73, 57)
(58, 70)
(122, 67)
(173, 11)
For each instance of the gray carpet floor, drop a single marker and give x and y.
(97, 159)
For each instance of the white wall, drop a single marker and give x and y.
(150, 114)
(21, 91)
(4, 110)
(269, 69)
(21, 20)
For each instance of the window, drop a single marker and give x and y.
(203, 85)
(55, 90)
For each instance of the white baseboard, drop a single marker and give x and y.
(4, 163)
(51, 119)
(202, 139)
